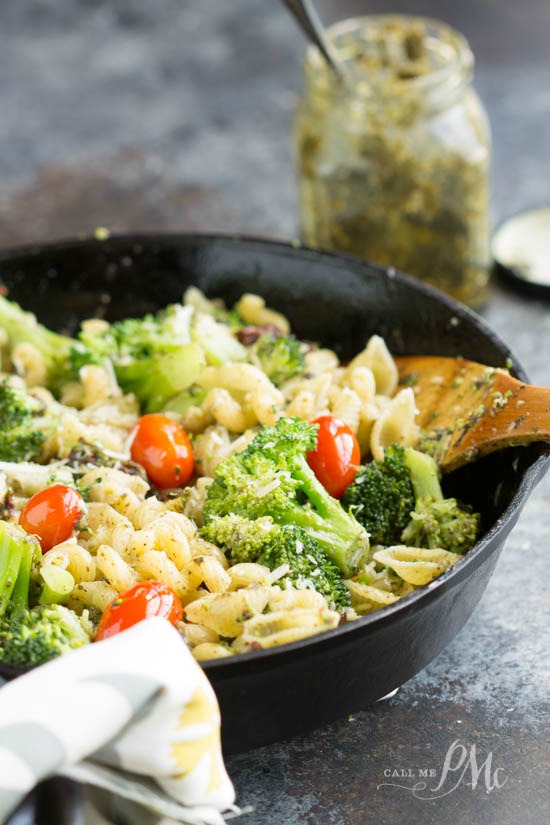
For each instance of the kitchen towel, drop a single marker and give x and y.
(134, 715)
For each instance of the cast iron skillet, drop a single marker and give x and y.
(339, 301)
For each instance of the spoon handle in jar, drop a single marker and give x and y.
(307, 17)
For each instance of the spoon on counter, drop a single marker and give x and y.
(310, 22)
(470, 410)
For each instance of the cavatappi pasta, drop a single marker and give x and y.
(131, 532)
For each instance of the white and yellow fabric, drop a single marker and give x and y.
(134, 715)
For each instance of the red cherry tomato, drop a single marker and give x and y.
(163, 449)
(143, 601)
(337, 456)
(52, 514)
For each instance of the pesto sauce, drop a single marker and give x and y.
(394, 166)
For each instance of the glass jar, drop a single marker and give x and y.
(393, 164)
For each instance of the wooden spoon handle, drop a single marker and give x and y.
(467, 409)
(514, 414)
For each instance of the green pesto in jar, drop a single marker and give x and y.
(393, 165)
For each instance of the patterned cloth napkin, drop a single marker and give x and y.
(134, 715)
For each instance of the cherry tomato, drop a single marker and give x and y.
(143, 601)
(163, 449)
(52, 514)
(337, 456)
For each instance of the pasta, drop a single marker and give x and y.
(130, 532)
(414, 565)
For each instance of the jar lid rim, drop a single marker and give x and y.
(521, 250)
(462, 61)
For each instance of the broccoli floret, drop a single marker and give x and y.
(381, 497)
(22, 327)
(436, 522)
(242, 539)
(135, 338)
(444, 524)
(19, 439)
(280, 357)
(310, 567)
(30, 636)
(275, 546)
(24, 424)
(271, 477)
(399, 500)
(153, 356)
(35, 636)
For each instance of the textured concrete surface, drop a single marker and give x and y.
(177, 115)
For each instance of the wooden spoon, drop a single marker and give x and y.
(469, 409)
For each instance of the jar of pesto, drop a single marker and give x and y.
(393, 164)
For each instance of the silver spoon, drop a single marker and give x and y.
(310, 22)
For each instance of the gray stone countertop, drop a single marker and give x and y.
(177, 115)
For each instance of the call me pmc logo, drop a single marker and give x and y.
(462, 766)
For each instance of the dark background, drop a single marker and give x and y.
(177, 115)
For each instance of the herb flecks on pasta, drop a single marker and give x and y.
(239, 527)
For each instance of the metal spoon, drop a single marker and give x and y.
(310, 22)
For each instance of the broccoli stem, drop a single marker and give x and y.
(11, 554)
(191, 397)
(424, 475)
(329, 523)
(157, 379)
(20, 594)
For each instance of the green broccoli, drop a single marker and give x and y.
(133, 338)
(153, 356)
(193, 396)
(381, 497)
(310, 566)
(158, 357)
(35, 636)
(436, 522)
(280, 357)
(25, 423)
(242, 539)
(22, 327)
(31, 636)
(271, 477)
(18, 552)
(159, 378)
(279, 547)
(399, 500)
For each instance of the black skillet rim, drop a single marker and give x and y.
(472, 559)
